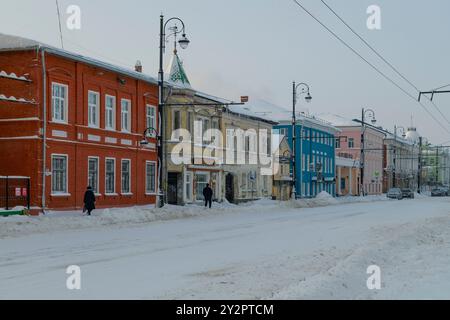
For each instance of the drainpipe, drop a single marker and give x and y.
(44, 127)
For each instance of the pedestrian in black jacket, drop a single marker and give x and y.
(208, 193)
(89, 201)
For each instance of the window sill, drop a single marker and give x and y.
(150, 194)
(60, 195)
(111, 194)
(126, 194)
(59, 122)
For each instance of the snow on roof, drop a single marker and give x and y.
(13, 43)
(14, 99)
(257, 108)
(337, 120)
(12, 75)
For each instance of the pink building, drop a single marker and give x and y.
(349, 147)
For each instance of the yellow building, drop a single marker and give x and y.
(184, 182)
(282, 179)
(189, 117)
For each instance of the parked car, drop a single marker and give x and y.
(439, 192)
(395, 193)
(407, 193)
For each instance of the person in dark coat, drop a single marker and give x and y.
(208, 193)
(89, 201)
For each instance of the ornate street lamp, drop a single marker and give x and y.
(183, 42)
(366, 113)
(304, 89)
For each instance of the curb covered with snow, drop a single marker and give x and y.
(59, 221)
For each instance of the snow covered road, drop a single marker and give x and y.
(260, 252)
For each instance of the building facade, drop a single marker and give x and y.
(400, 162)
(282, 180)
(314, 153)
(349, 146)
(249, 178)
(347, 175)
(68, 121)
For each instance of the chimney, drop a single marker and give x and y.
(138, 66)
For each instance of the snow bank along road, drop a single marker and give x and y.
(256, 252)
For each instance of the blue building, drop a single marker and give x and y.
(314, 154)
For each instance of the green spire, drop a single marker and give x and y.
(177, 75)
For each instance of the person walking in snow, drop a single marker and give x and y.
(89, 201)
(208, 193)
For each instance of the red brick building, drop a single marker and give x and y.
(90, 116)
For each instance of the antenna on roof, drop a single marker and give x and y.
(59, 21)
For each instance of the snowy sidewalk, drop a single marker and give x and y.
(16, 226)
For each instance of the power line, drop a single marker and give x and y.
(371, 65)
(384, 59)
(59, 21)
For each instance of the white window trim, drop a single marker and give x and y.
(97, 111)
(56, 193)
(156, 178)
(98, 174)
(151, 134)
(129, 177)
(115, 177)
(114, 113)
(129, 116)
(66, 104)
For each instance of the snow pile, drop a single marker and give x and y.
(321, 200)
(71, 220)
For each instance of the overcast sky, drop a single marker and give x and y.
(258, 47)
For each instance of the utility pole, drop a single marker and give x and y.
(361, 182)
(294, 173)
(394, 161)
(437, 166)
(419, 171)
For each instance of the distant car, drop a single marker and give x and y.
(395, 193)
(439, 192)
(407, 193)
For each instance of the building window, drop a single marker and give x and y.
(93, 173)
(59, 102)
(188, 187)
(151, 120)
(110, 176)
(93, 109)
(126, 164)
(150, 178)
(110, 112)
(59, 174)
(338, 143)
(351, 143)
(126, 115)
(205, 128)
(189, 122)
(176, 123)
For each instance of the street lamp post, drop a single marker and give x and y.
(308, 98)
(371, 114)
(184, 42)
(394, 173)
